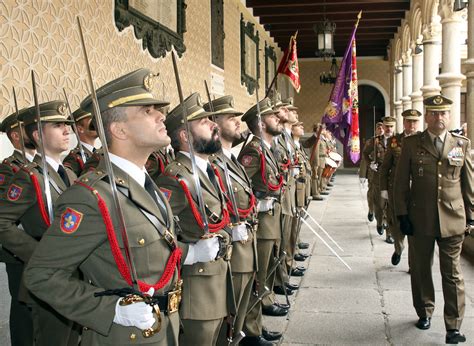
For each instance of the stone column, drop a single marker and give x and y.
(431, 59)
(417, 80)
(469, 65)
(407, 80)
(398, 97)
(451, 78)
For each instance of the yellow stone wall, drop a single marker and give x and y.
(42, 36)
(313, 97)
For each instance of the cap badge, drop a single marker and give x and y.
(149, 81)
(62, 109)
(438, 100)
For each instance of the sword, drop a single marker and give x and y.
(20, 127)
(197, 182)
(324, 242)
(74, 127)
(44, 164)
(322, 229)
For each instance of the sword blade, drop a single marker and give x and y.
(322, 229)
(20, 127)
(74, 127)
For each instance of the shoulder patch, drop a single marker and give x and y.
(70, 220)
(167, 193)
(14, 192)
(2, 179)
(247, 160)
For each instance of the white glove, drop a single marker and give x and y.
(296, 171)
(384, 194)
(239, 232)
(138, 315)
(265, 205)
(373, 166)
(362, 181)
(205, 250)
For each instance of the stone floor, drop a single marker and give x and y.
(370, 305)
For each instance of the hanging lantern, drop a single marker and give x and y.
(325, 33)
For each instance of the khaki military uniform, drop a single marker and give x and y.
(374, 151)
(74, 162)
(205, 285)
(387, 178)
(313, 144)
(244, 253)
(367, 173)
(21, 323)
(26, 205)
(79, 239)
(269, 225)
(323, 150)
(158, 161)
(438, 201)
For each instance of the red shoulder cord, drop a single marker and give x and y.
(160, 162)
(213, 227)
(79, 161)
(39, 197)
(174, 261)
(286, 165)
(270, 186)
(243, 213)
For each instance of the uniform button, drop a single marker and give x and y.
(200, 270)
(439, 187)
(133, 336)
(85, 328)
(440, 176)
(141, 242)
(439, 163)
(439, 200)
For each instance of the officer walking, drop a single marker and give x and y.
(434, 196)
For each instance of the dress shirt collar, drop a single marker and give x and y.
(227, 153)
(200, 162)
(28, 156)
(441, 136)
(88, 146)
(137, 173)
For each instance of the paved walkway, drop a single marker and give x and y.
(370, 305)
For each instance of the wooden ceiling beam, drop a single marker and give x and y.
(339, 17)
(302, 3)
(330, 10)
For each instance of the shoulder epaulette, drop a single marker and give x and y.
(92, 177)
(174, 168)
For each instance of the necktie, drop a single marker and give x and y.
(438, 144)
(149, 187)
(234, 160)
(62, 173)
(212, 176)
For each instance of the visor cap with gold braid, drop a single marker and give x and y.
(265, 109)
(50, 112)
(223, 105)
(411, 114)
(10, 122)
(80, 114)
(290, 104)
(132, 89)
(390, 121)
(437, 103)
(195, 111)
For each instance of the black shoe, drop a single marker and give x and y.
(282, 305)
(271, 336)
(370, 216)
(256, 341)
(396, 258)
(380, 230)
(300, 258)
(303, 269)
(324, 193)
(318, 198)
(297, 272)
(389, 240)
(293, 287)
(274, 310)
(303, 246)
(281, 290)
(330, 184)
(423, 323)
(453, 336)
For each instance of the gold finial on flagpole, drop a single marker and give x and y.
(359, 16)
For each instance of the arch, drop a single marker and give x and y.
(397, 56)
(429, 11)
(380, 88)
(416, 23)
(406, 38)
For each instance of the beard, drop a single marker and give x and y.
(207, 146)
(28, 143)
(274, 130)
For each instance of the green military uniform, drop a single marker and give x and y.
(205, 285)
(323, 150)
(435, 190)
(73, 160)
(313, 144)
(158, 161)
(366, 173)
(244, 253)
(266, 183)
(374, 152)
(84, 236)
(387, 178)
(25, 204)
(20, 322)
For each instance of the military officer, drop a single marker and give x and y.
(267, 183)
(207, 296)
(313, 144)
(411, 119)
(434, 196)
(366, 174)
(87, 136)
(83, 235)
(158, 160)
(374, 152)
(25, 203)
(244, 253)
(21, 324)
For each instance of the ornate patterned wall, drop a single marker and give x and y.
(42, 35)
